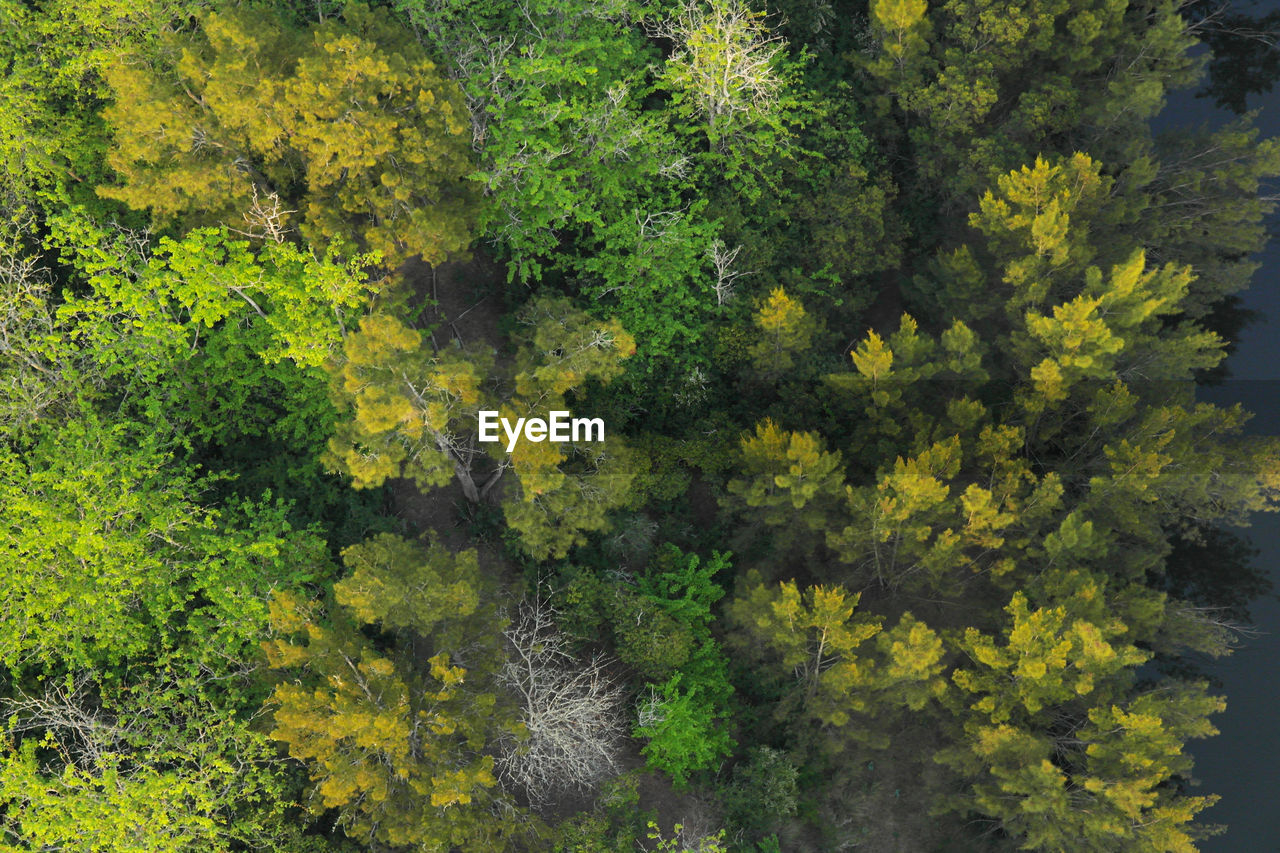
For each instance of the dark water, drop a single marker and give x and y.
(1242, 764)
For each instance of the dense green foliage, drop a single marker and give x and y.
(905, 532)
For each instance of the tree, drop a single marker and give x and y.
(661, 626)
(106, 557)
(41, 380)
(788, 472)
(569, 709)
(903, 28)
(681, 728)
(597, 156)
(659, 622)
(786, 330)
(52, 141)
(404, 400)
(892, 395)
(763, 792)
(1064, 78)
(971, 97)
(275, 303)
(814, 639)
(400, 584)
(1059, 746)
(1208, 183)
(726, 64)
(148, 766)
(1040, 223)
(395, 736)
(350, 124)
(686, 840)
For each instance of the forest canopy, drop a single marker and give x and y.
(907, 530)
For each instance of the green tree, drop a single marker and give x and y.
(53, 143)
(682, 730)
(728, 70)
(107, 557)
(149, 766)
(764, 790)
(211, 345)
(1062, 71)
(903, 29)
(42, 378)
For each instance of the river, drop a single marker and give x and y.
(1242, 764)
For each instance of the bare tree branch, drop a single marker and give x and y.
(570, 710)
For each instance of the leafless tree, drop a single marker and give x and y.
(266, 218)
(723, 259)
(1209, 630)
(71, 709)
(570, 710)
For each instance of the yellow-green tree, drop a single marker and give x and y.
(151, 766)
(847, 670)
(1059, 745)
(786, 331)
(395, 737)
(728, 69)
(405, 401)
(347, 131)
(903, 29)
(789, 476)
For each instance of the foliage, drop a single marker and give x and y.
(254, 116)
(415, 413)
(108, 557)
(785, 331)
(614, 824)
(787, 472)
(610, 167)
(682, 732)
(231, 339)
(149, 766)
(971, 584)
(52, 139)
(682, 586)
(704, 844)
(394, 738)
(763, 791)
(814, 638)
(726, 66)
(1100, 774)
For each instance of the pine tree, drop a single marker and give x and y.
(786, 331)
(790, 477)
(843, 681)
(1060, 747)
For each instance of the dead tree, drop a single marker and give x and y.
(570, 710)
